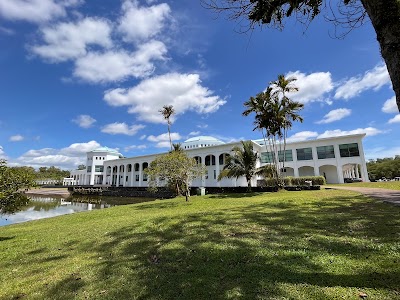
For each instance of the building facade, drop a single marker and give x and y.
(335, 158)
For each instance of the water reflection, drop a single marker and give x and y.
(41, 207)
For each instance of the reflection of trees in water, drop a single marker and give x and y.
(44, 203)
(107, 201)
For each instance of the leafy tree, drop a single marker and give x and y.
(51, 173)
(242, 162)
(384, 167)
(175, 170)
(384, 16)
(12, 182)
(81, 167)
(167, 112)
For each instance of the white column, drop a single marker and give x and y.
(203, 177)
(140, 174)
(124, 179)
(117, 181)
(217, 170)
(315, 160)
(340, 173)
(357, 173)
(91, 182)
(296, 172)
(132, 168)
(111, 175)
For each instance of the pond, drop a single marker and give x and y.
(45, 206)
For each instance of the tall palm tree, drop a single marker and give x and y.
(167, 112)
(242, 162)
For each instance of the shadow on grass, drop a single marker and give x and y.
(254, 252)
(236, 195)
(6, 238)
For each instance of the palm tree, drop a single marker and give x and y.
(241, 163)
(167, 112)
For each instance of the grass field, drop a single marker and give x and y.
(391, 185)
(324, 244)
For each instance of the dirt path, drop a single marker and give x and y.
(385, 195)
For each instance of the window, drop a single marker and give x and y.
(129, 168)
(126, 179)
(304, 154)
(288, 155)
(349, 150)
(137, 177)
(98, 168)
(144, 177)
(215, 174)
(89, 169)
(136, 167)
(325, 152)
(267, 157)
(210, 160)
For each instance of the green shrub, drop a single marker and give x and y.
(316, 180)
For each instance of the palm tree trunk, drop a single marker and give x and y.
(169, 134)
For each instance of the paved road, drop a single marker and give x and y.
(391, 196)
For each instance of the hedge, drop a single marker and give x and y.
(297, 181)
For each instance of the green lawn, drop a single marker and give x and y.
(324, 244)
(391, 185)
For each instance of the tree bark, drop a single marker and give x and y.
(385, 18)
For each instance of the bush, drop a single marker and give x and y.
(297, 181)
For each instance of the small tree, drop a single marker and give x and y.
(242, 162)
(12, 182)
(175, 170)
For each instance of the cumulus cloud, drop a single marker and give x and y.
(84, 121)
(335, 115)
(396, 119)
(117, 65)
(16, 138)
(381, 152)
(141, 23)
(312, 87)
(2, 153)
(369, 131)
(121, 128)
(66, 158)
(302, 136)
(35, 11)
(372, 79)
(66, 41)
(390, 106)
(162, 140)
(183, 91)
(194, 133)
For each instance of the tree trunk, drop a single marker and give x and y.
(385, 18)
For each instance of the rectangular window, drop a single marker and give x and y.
(288, 155)
(267, 157)
(89, 169)
(349, 150)
(325, 152)
(144, 177)
(137, 177)
(304, 154)
(215, 174)
(126, 179)
(98, 168)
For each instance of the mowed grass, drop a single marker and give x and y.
(390, 185)
(324, 244)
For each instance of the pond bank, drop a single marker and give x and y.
(63, 192)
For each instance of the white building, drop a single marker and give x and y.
(335, 158)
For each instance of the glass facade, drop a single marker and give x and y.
(304, 154)
(267, 157)
(349, 150)
(98, 168)
(288, 155)
(325, 152)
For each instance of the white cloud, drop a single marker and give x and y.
(396, 119)
(193, 133)
(369, 131)
(121, 128)
(312, 87)
(162, 140)
(335, 115)
(84, 121)
(118, 65)
(36, 11)
(2, 153)
(135, 147)
(390, 106)
(16, 138)
(183, 91)
(67, 158)
(66, 41)
(302, 136)
(141, 23)
(372, 79)
(381, 152)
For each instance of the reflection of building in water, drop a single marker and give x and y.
(335, 158)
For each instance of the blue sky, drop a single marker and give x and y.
(77, 74)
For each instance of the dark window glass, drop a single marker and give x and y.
(98, 168)
(136, 167)
(325, 152)
(349, 150)
(288, 155)
(304, 154)
(89, 169)
(267, 157)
